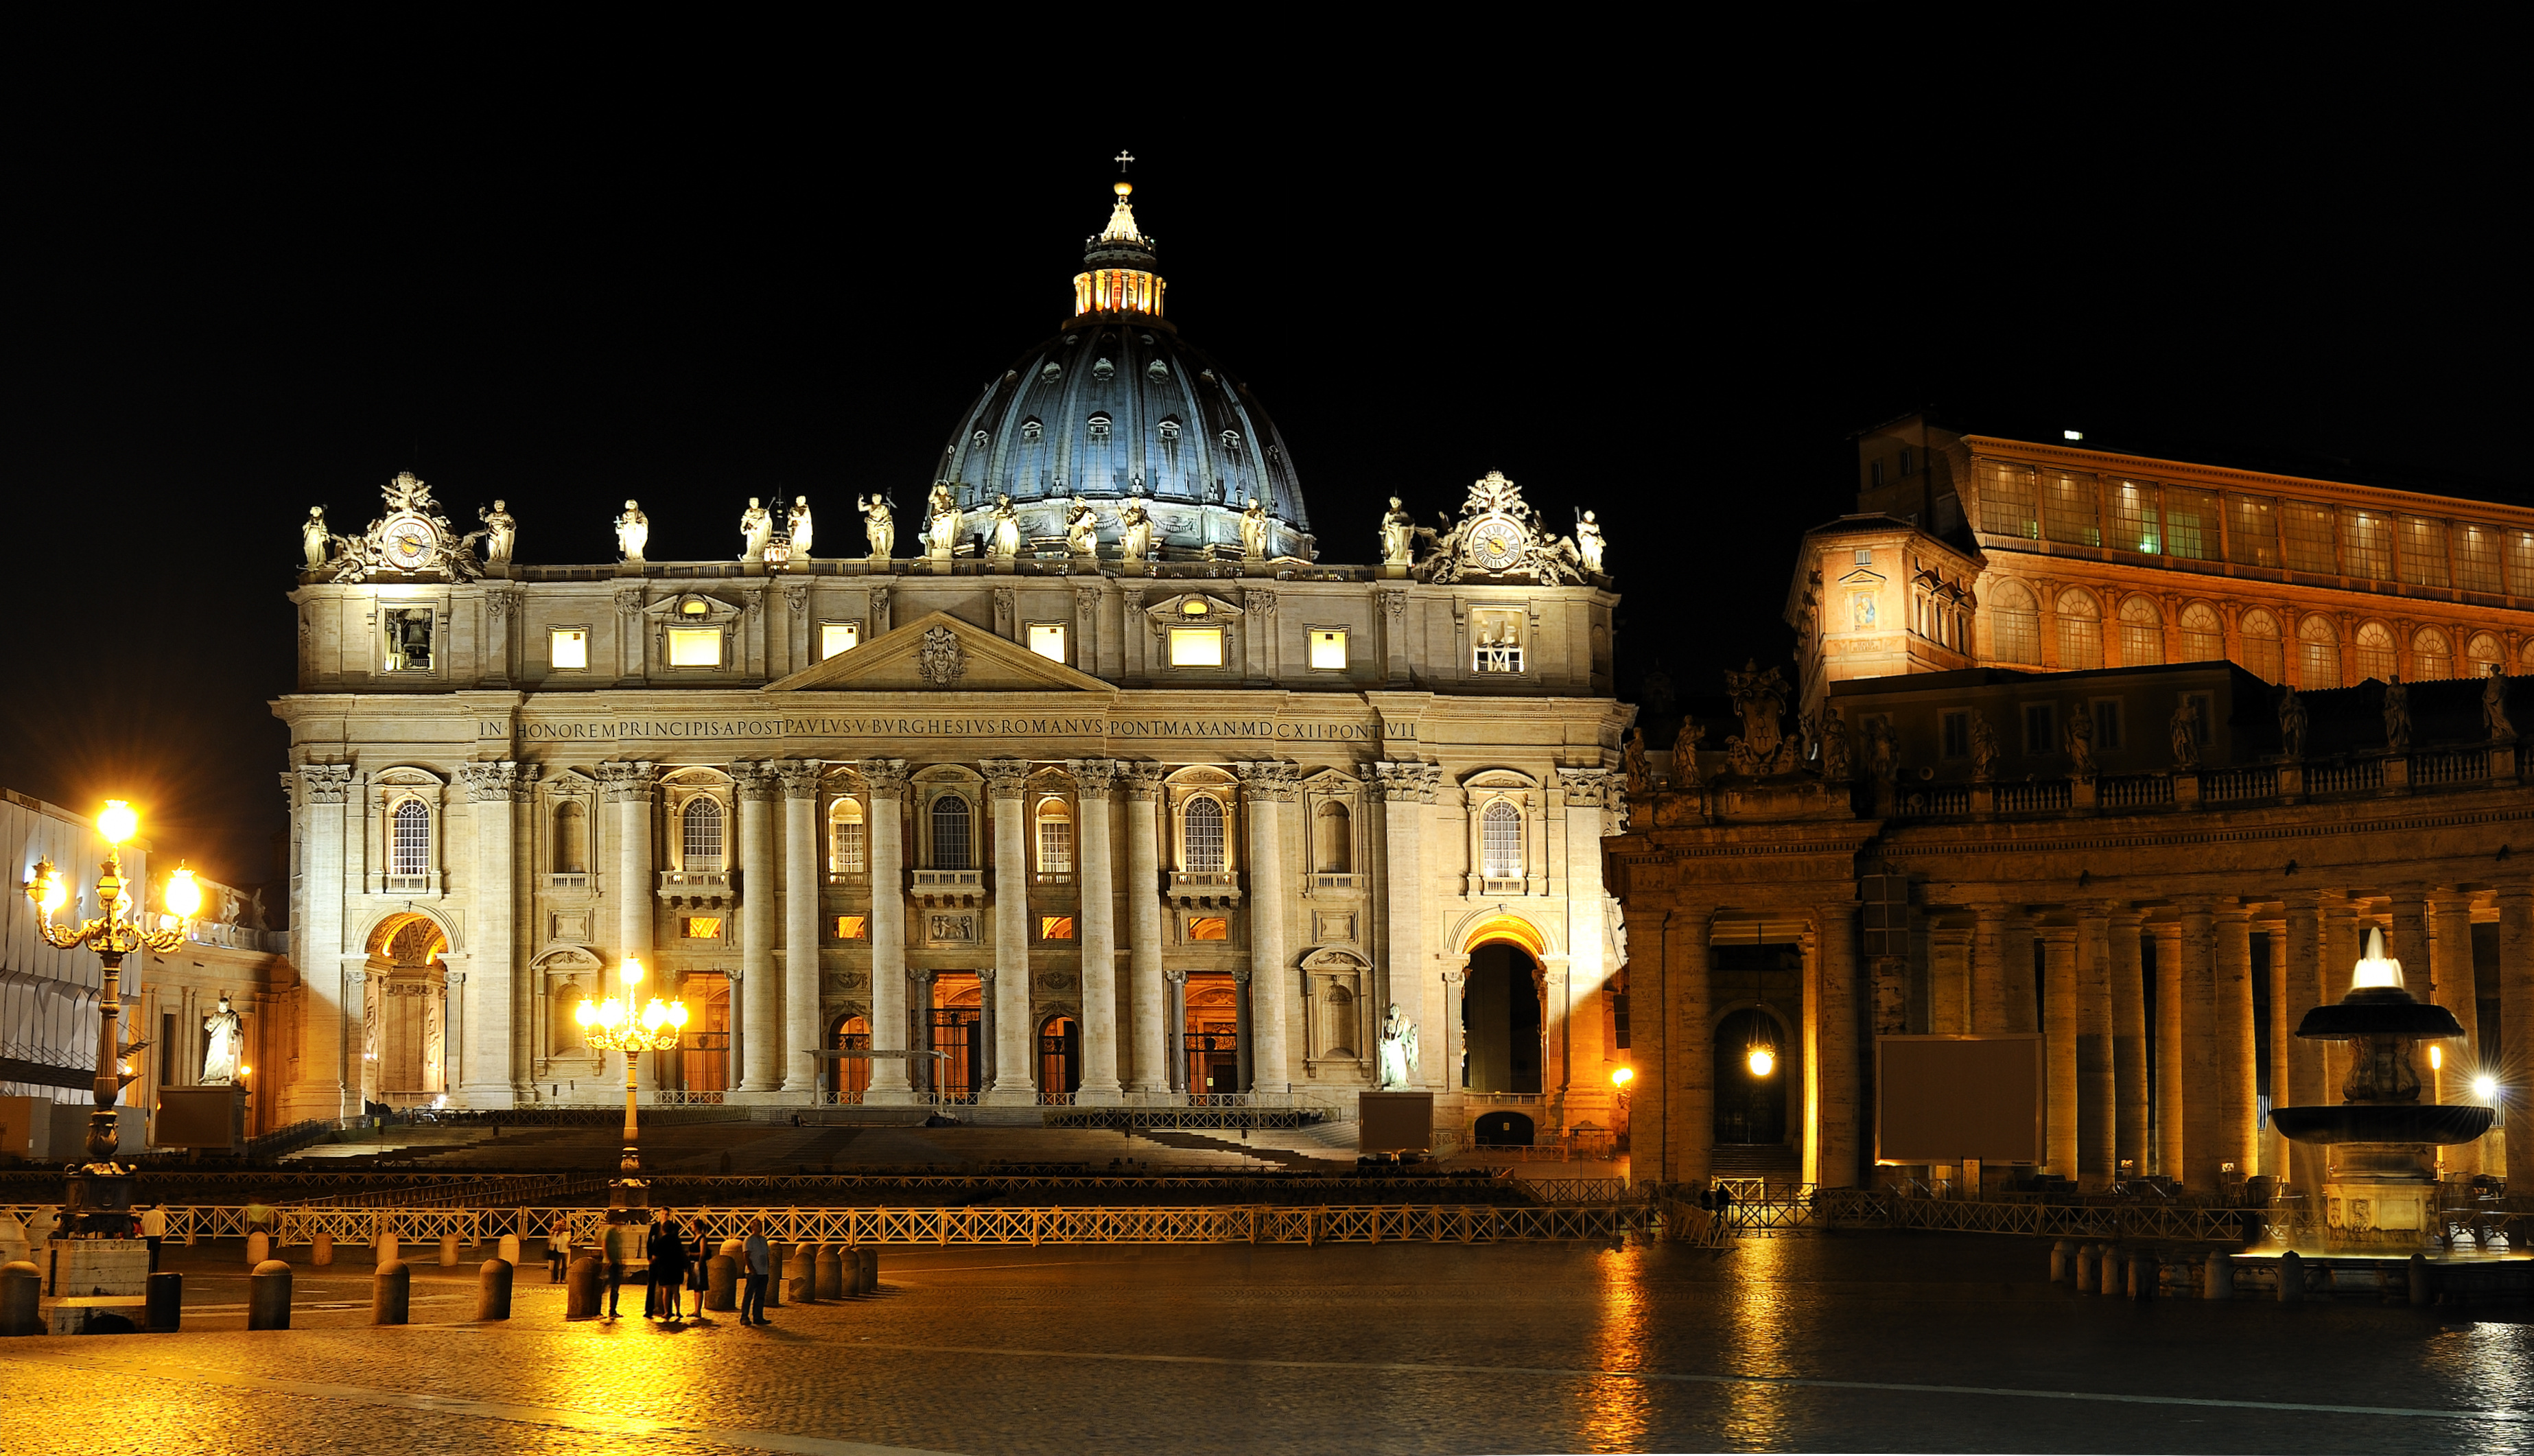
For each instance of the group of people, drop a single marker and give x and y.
(677, 1257)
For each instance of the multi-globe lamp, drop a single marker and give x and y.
(612, 1026)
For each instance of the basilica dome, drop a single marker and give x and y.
(1116, 404)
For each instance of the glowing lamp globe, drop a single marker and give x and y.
(1761, 1061)
(2485, 1088)
(117, 821)
(184, 897)
(1621, 1076)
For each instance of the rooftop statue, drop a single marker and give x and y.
(1004, 529)
(1835, 761)
(1984, 748)
(1633, 761)
(2494, 706)
(1588, 543)
(1134, 530)
(1081, 528)
(879, 529)
(2291, 724)
(1684, 754)
(756, 528)
(801, 526)
(222, 1038)
(2081, 745)
(314, 538)
(1253, 531)
(2397, 716)
(940, 521)
(500, 532)
(2184, 730)
(1761, 747)
(1398, 536)
(633, 532)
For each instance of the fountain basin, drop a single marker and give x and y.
(2444, 1124)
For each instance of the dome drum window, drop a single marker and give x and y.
(1031, 430)
(1099, 427)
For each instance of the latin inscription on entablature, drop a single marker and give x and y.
(674, 730)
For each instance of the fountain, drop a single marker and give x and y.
(2379, 1190)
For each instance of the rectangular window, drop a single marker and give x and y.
(1328, 648)
(1208, 927)
(2367, 536)
(2309, 532)
(1196, 646)
(1046, 639)
(1958, 733)
(694, 646)
(838, 636)
(568, 646)
(1055, 844)
(2068, 508)
(853, 927)
(2190, 529)
(1875, 472)
(2006, 500)
(1056, 927)
(701, 926)
(2040, 728)
(2424, 551)
(2107, 723)
(408, 641)
(1495, 642)
(2476, 556)
(2135, 526)
(2252, 531)
(1864, 556)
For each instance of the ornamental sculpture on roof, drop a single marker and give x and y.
(1761, 747)
(412, 539)
(1498, 539)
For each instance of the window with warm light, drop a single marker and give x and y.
(1328, 648)
(699, 840)
(1046, 639)
(845, 837)
(838, 636)
(409, 847)
(1208, 927)
(1196, 646)
(568, 647)
(1054, 837)
(700, 928)
(1056, 927)
(1202, 836)
(694, 646)
(852, 927)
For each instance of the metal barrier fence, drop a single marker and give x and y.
(2176, 1222)
(1576, 1190)
(1246, 1223)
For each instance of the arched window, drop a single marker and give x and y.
(1054, 837)
(1202, 831)
(2080, 631)
(845, 837)
(2015, 625)
(2204, 637)
(571, 838)
(2263, 655)
(1332, 840)
(2317, 653)
(2485, 654)
(410, 851)
(2371, 653)
(700, 834)
(1500, 841)
(2142, 634)
(953, 846)
(2432, 656)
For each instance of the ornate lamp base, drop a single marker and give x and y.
(97, 1201)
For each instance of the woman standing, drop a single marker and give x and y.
(667, 1298)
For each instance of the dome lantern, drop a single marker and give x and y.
(1117, 276)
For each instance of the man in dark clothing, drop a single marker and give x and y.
(624, 1244)
(761, 1267)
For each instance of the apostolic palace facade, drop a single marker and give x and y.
(1085, 773)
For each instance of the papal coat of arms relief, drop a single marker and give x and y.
(938, 659)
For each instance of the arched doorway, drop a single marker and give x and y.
(1750, 1079)
(404, 1013)
(1500, 1021)
(850, 1078)
(704, 1049)
(1209, 1035)
(1506, 1130)
(957, 1033)
(1060, 1055)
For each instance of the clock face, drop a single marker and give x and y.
(1495, 545)
(410, 542)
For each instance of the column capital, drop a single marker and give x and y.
(2230, 910)
(1267, 780)
(1176, 977)
(1240, 975)
(1143, 781)
(800, 777)
(326, 783)
(1584, 788)
(884, 777)
(504, 782)
(1092, 778)
(1407, 783)
(1006, 778)
(630, 780)
(756, 781)
(986, 976)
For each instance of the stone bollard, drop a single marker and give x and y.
(2219, 1281)
(830, 1273)
(22, 1294)
(2086, 1258)
(585, 1283)
(774, 1283)
(721, 1283)
(2291, 1278)
(871, 1268)
(321, 1252)
(493, 1290)
(2060, 1258)
(385, 1249)
(801, 1275)
(259, 1249)
(391, 1293)
(509, 1250)
(166, 1308)
(449, 1251)
(2420, 1274)
(2142, 1277)
(736, 1248)
(268, 1300)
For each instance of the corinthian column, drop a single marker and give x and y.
(1100, 1030)
(761, 1008)
(1585, 1086)
(1407, 794)
(632, 787)
(782, 1062)
(320, 794)
(886, 779)
(2059, 1050)
(1006, 778)
(1157, 1024)
(484, 1072)
(1266, 787)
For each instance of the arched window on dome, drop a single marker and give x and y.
(2432, 656)
(1168, 429)
(1099, 427)
(1231, 440)
(1031, 430)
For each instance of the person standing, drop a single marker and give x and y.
(664, 1279)
(624, 1244)
(153, 1230)
(761, 1267)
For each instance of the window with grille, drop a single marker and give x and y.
(1201, 836)
(2519, 553)
(2142, 634)
(845, 837)
(2080, 631)
(2006, 500)
(2107, 723)
(2372, 651)
(2476, 556)
(2264, 655)
(1054, 838)
(700, 834)
(2366, 537)
(2484, 654)
(410, 854)
(2317, 655)
(2135, 526)
(2040, 728)
(2308, 530)
(2252, 530)
(1500, 840)
(2424, 551)
(953, 842)
(2432, 656)
(2204, 637)
(2014, 626)
(2191, 524)
(1957, 725)
(2068, 508)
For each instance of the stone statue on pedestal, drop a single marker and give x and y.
(2081, 745)
(1134, 531)
(1253, 531)
(1587, 542)
(1984, 748)
(221, 1039)
(1684, 754)
(2397, 716)
(500, 532)
(1632, 762)
(1398, 1051)
(1398, 536)
(1004, 529)
(2184, 730)
(880, 528)
(940, 521)
(756, 528)
(314, 538)
(1834, 757)
(633, 532)
(2494, 706)
(1761, 747)
(2291, 724)
(1883, 752)
(1081, 528)
(801, 526)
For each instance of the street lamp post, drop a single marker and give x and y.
(99, 1200)
(612, 1026)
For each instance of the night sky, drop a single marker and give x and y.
(232, 302)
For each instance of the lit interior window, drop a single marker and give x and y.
(570, 647)
(694, 646)
(1196, 646)
(703, 927)
(1328, 648)
(1056, 927)
(838, 636)
(1194, 606)
(692, 608)
(1046, 639)
(1208, 927)
(853, 927)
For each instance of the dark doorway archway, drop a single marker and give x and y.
(1750, 1101)
(849, 1078)
(1500, 1021)
(1506, 1130)
(1060, 1055)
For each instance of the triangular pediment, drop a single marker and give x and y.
(914, 659)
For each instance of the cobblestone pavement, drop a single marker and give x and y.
(1880, 1342)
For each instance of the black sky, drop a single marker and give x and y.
(1671, 303)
